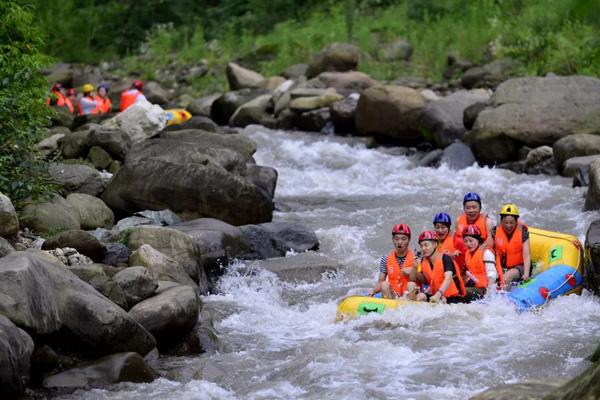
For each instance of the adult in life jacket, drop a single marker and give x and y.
(472, 216)
(87, 104)
(104, 103)
(397, 268)
(440, 272)
(58, 98)
(72, 96)
(480, 265)
(132, 95)
(448, 243)
(511, 242)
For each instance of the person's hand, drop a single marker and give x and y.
(526, 276)
(371, 293)
(436, 297)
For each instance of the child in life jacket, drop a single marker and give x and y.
(480, 271)
(397, 268)
(440, 272)
(511, 242)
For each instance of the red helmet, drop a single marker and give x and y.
(428, 235)
(56, 87)
(471, 230)
(137, 84)
(71, 92)
(401, 229)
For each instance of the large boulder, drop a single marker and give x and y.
(202, 106)
(572, 165)
(202, 177)
(5, 247)
(275, 239)
(253, 112)
(53, 215)
(111, 369)
(584, 386)
(74, 144)
(242, 78)
(173, 243)
(591, 278)
(592, 199)
(115, 141)
(575, 146)
(45, 298)
(138, 283)
(223, 107)
(9, 223)
(156, 94)
(82, 241)
(305, 267)
(442, 120)
(265, 178)
(139, 121)
(335, 57)
(534, 112)
(347, 81)
(458, 156)
(99, 158)
(489, 75)
(93, 213)
(168, 315)
(77, 178)
(391, 112)
(16, 347)
(163, 267)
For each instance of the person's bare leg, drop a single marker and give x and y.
(386, 291)
(509, 276)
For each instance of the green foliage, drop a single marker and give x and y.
(22, 92)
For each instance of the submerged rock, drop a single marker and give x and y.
(518, 391)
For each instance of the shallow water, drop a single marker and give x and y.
(281, 337)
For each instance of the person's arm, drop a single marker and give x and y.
(489, 224)
(437, 296)
(377, 288)
(526, 260)
(489, 260)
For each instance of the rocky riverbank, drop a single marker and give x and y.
(99, 280)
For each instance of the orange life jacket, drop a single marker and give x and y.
(479, 222)
(509, 252)
(450, 245)
(104, 104)
(395, 276)
(128, 98)
(435, 276)
(475, 265)
(87, 106)
(62, 101)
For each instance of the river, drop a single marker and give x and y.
(280, 338)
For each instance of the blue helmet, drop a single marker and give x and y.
(442, 218)
(472, 196)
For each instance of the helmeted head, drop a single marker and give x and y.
(472, 236)
(401, 237)
(441, 224)
(57, 87)
(103, 89)
(509, 216)
(137, 84)
(472, 205)
(428, 242)
(87, 88)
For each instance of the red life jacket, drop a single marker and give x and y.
(435, 276)
(475, 265)
(128, 98)
(479, 222)
(395, 276)
(509, 252)
(104, 104)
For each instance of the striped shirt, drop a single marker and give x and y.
(383, 263)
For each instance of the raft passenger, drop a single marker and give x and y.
(447, 243)
(132, 95)
(396, 268)
(87, 104)
(511, 242)
(472, 216)
(440, 272)
(58, 97)
(104, 103)
(480, 265)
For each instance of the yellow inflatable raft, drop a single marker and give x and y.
(177, 116)
(557, 261)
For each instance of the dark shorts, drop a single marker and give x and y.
(520, 268)
(474, 294)
(449, 300)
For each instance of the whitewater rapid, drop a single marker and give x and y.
(280, 338)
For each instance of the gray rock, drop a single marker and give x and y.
(50, 143)
(169, 315)
(490, 75)
(196, 122)
(93, 213)
(592, 199)
(242, 78)
(9, 223)
(5, 247)
(458, 156)
(533, 390)
(138, 283)
(573, 164)
(164, 267)
(116, 253)
(156, 94)
(77, 178)
(314, 120)
(149, 217)
(99, 157)
(50, 216)
(212, 142)
(276, 238)
(342, 115)
(253, 112)
(390, 112)
(16, 347)
(115, 368)
(202, 106)
(349, 81)
(87, 272)
(295, 71)
(44, 297)
(591, 276)
(265, 178)
(139, 121)
(335, 57)
(432, 159)
(305, 267)
(82, 241)
(223, 107)
(471, 112)
(575, 146)
(540, 161)
(584, 386)
(74, 144)
(114, 141)
(261, 242)
(61, 116)
(442, 120)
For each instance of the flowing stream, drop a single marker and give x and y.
(281, 341)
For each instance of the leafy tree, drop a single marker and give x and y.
(22, 91)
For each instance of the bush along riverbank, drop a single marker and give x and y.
(106, 274)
